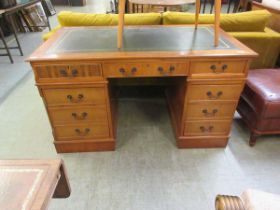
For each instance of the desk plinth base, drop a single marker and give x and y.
(202, 142)
(84, 146)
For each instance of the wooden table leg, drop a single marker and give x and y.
(217, 21)
(63, 189)
(121, 23)
(197, 11)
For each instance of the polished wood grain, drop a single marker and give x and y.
(74, 96)
(202, 95)
(206, 127)
(82, 131)
(30, 184)
(78, 114)
(218, 4)
(121, 23)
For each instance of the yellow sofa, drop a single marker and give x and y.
(248, 27)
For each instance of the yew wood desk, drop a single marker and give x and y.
(74, 67)
(30, 184)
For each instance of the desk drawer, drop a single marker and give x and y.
(82, 131)
(214, 92)
(210, 110)
(68, 73)
(161, 69)
(151, 68)
(78, 114)
(122, 69)
(218, 68)
(207, 128)
(74, 96)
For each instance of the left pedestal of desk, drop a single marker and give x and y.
(77, 101)
(30, 184)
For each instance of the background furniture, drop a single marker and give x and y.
(248, 27)
(137, 6)
(249, 200)
(30, 184)
(259, 104)
(274, 21)
(61, 2)
(8, 15)
(4, 43)
(206, 82)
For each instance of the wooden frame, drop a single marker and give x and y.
(216, 24)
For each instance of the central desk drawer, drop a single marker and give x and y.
(161, 69)
(78, 114)
(210, 110)
(82, 131)
(152, 68)
(74, 96)
(207, 128)
(217, 68)
(214, 92)
(122, 69)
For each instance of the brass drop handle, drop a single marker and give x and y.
(73, 100)
(82, 133)
(206, 130)
(223, 69)
(160, 69)
(212, 96)
(171, 69)
(213, 68)
(209, 114)
(122, 71)
(75, 72)
(133, 70)
(81, 117)
(63, 73)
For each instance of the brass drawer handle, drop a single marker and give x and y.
(161, 70)
(75, 72)
(215, 70)
(209, 114)
(63, 73)
(82, 133)
(122, 71)
(171, 69)
(81, 117)
(73, 100)
(128, 74)
(212, 96)
(206, 130)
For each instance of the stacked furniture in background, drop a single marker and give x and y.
(248, 27)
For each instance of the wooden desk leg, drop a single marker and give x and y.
(63, 189)
(217, 21)
(121, 23)
(6, 46)
(197, 11)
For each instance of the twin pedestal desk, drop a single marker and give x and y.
(73, 70)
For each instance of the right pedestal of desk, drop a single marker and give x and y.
(202, 108)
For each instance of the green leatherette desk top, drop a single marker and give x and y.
(181, 40)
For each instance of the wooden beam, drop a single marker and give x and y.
(197, 11)
(121, 23)
(218, 4)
